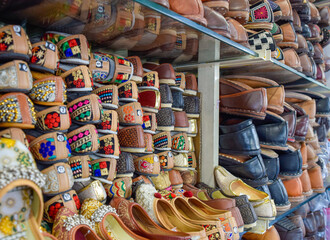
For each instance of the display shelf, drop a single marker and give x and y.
(262, 67)
(322, 3)
(295, 206)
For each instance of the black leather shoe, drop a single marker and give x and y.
(306, 31)
(238, 137)
(272, 163)
(287, 230)
(250, 169)
(280, 196)
(178, 102)
(290, 163)
(264, 188)
(272, 131)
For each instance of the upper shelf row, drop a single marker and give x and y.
(150, 31)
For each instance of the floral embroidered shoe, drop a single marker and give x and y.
(150, 80)
(81, 168)
(13, 106)
(86, 109)
(49, 148)
(109, 146)
(125, 165)
(78, 79)
(15, 76)
(121, 187)
(108, 68)
(59, 179)
(14, 44)
(166, 160)
(83, 140)
(128, 92)
(261, 16)
(131, 139)
(180, 143)
(130, 114)
(150, 100)
(147, 165)
(109, 122)
(54, 118)
(68, 200)
(104, 169)
(49, 91)
(44, 57)
(107, 222)
(108, 95)
(74, 49)
(20, 192)
(68, 225)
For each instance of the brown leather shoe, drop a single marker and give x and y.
(176, 179)
(136, 219)
(296, 21)
(162, 2)
(275, 92)
(306, 64)
(239, 10)
(318, 54)
(286, 9)
(302, 44)
(131, 139)
(294, 189)
(325, 17)
(298, 221)
(289, 36)
(191, 9)
(303, 151)
(292, 59)
(165, 71)
(238, 32)
(233, 95)
(315, 15)
(220, 6)
(315, 175)
(306, 184)
(216, 22)
(270, 234)
(316, 33)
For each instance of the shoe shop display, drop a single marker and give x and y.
(171, 119)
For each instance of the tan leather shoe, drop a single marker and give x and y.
(296, 21)
(315, 15)
(286, 9)
(239, 10)
(270, 234)
(220, 6)
(292, 59)
(302, 44)
(289, 36)
(294, 189)
(191, 9)
(216, 22)
(315, 33)
(306, 184)
(306, 64)
(303, 151)
(315, 175)
(325, 16)
(238, 32)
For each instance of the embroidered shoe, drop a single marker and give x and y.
(130, 114)
(166, 160)
(262, 40)
(149, 143)
(44, 57)
(15, 44)
(180, 143)
(149, 123)
(180, 82)
(49, 91)
(17, 110)
(81, 168)
(121, 187)
(15, 134)
(193, 128)
(110, 122)
(147, 165)
(261, 16)
(109, 146)
(131, 139)
(150, 80)
(165, 71)
(150, 100)
(94, 190)
(162, 181)
(165, 119)
(108, 95)
(104, 169)
(86, 109)
(162, 141)
(54, 118)
(74, 49)
(138, 68)
(125, 165)
(78, 79)
(15, 76)
(128, 92)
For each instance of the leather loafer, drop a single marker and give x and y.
(294, 189)
(239, 10)
(290, 163)
(250, 169)
(272, 163)
(240, 130)
(298, 221)
(286, 10)
(325, 17)
(322, 103)
(302, 44)
(296, 21)
(302, 123)
(290, 116)
(289, 36)
(216, 22)
(233, 95)
(306, 184)
(287, 230)
(292, 59)
(315, 176)
(315, 14)
(238, 32)
(280, 195)
(220, 6)
(271, 233)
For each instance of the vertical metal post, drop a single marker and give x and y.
(208, 85)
